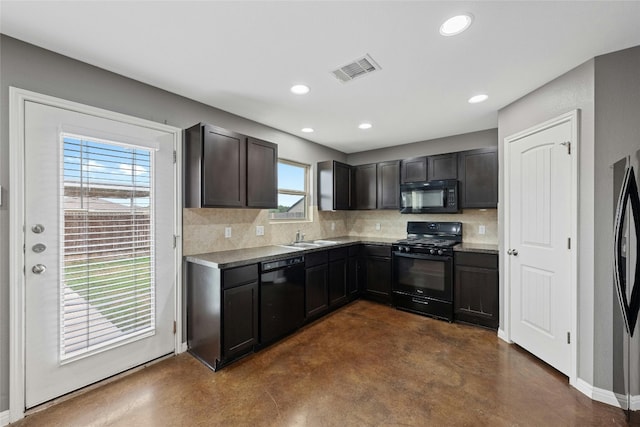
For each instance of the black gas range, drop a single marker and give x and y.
(423, 268)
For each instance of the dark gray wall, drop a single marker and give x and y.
(617, 135)
(450, 144)
(28, 67)
(573, 90)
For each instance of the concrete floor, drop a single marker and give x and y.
(364, 365)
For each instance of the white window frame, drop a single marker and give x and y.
(306, 193)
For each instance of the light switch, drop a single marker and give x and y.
(378, 226)
(259, 230)
(482, 229)
(227, 232)
(333, 226)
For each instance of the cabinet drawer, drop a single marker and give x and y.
(238, 276)
(473, 259)
(316, 258)
(376, 250)
(338, 253)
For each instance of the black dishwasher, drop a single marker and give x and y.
(281, 298)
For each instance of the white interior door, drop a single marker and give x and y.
(99, 255)
(540, 171)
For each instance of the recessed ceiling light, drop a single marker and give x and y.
(478, 98)
(300, 89)
(456, 25)
(364, 125)
(307, 130)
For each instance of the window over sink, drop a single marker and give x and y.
(293, 192)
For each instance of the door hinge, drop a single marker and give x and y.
(568, 337)
(175, 241)
(174, 327)
(568, 145)
(568, 243)
(175, 156)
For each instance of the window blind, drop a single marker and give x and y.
(107, 285)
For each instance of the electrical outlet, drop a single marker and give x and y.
(482, 229)
(259, 230)
(227, 232)
(333, 226)
(378, 226)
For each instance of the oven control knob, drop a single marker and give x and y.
(406, 249)
(432, 251)
(440, 252)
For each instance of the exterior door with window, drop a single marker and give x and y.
(100, 264)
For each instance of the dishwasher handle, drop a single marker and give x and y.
(282, 263)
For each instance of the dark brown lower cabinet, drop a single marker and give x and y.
(222, 312)
(316, 284)
(354, 272)
(475, 297)
(338, 276)
(240, 320)
(377, 272)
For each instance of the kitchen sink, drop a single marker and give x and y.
(308, 245)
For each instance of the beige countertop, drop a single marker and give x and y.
(477, 247)
(238, 257)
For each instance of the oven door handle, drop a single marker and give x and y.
(422, 256)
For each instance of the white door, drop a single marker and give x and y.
(100, 269)
(540, 170)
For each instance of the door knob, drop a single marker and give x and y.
(39, 268)
(513, 252)
(38, 228)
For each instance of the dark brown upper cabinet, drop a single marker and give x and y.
(365, 177)
(413, 170)
(262, 174)
(334, 186)
(478, 176)
(389, 185)
(442, 166)
(216, 172)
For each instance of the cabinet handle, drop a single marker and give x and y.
(419, 301)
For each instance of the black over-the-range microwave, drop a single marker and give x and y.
(429, 197)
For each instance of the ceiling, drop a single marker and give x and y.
(244, 56)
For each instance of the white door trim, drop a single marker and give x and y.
(17, 99)
(572, 117)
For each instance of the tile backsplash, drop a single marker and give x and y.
(204, 229)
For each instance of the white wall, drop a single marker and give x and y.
(573, 90)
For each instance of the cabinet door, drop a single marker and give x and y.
(389, 185)
(413, 170)
(341, 186)
(240, 320)
(443, 166)
(476, 295)
(262, 174)
(224, 171)
(337, 282)
(478, 176)
(378, 278)
(353, 277)
(365, 186)
(316, 291)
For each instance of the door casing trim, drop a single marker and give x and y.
(504, 332)
(17, 99)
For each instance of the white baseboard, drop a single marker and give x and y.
(183, 347)
(4, 418)
(503, 336)
(605, 396)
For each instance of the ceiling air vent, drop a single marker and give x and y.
(358, 68)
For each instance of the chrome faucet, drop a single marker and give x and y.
(299, 236)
